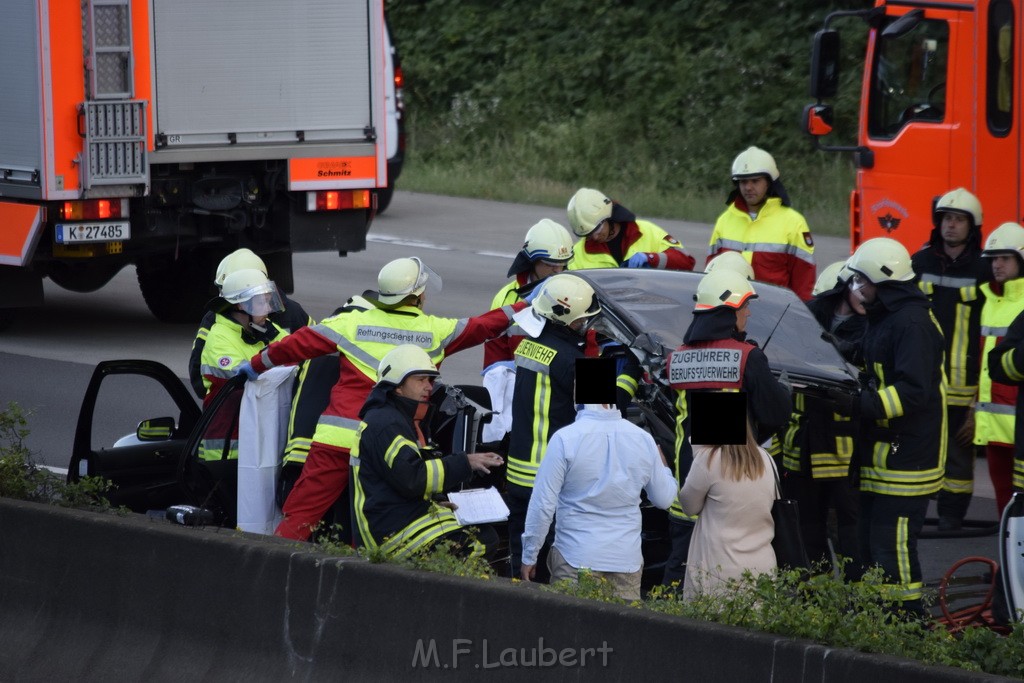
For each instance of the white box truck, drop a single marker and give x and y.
(167, 133)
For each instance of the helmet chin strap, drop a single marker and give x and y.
(239, 313)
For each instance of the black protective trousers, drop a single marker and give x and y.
(889, 529)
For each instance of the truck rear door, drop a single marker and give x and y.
(244, 72)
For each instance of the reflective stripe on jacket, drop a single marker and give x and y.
(395, 479)
(1006, 364)
(903, 413)
(639, 237)
(542, 400)
(996, 408)
(223, 352)
(363, 338)
(777, 243)
(953, 287)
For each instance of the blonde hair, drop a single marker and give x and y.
(740, 461)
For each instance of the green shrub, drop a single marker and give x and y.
(827, 610)
(587, 585)
(22, 479)
(445, 557)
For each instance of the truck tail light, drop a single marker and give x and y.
(399, 83)
(94, 210)
(337, 200)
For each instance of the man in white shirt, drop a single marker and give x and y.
(590, 481)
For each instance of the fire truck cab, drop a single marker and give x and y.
(940, 108)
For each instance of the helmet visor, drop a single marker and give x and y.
(426, 280)
(261, 300)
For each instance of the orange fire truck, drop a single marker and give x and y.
(940, 108)
(167, 133)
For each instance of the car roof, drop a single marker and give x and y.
(656, 307)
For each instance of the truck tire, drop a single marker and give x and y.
(6, 318)
(176, 291)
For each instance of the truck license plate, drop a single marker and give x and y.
(92, 232)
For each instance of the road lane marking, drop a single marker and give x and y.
(421, 244)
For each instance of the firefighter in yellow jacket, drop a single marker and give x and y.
(1004, 300)
(760, 224)
(242, 327)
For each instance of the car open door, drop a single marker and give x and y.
(143, 467)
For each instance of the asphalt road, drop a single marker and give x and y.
(47, 357)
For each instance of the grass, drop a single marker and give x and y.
(821, 194)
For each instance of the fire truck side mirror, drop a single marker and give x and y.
(817, 119)
(825, 64)
(904, 25)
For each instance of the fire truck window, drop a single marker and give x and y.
(999, 77)
(909, 79)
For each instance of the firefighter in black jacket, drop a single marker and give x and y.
(396, 471)
(818, 445)
(542, 400)
(949, 270)
(902, 449)
(719, 323)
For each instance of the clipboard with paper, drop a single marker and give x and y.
(479, 506)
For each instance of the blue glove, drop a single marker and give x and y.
(533, 294)
(245, 368)
(637, 261)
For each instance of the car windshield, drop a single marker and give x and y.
(654, 308)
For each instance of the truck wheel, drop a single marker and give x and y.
(176, 291)
(384, 197)
(6, 318)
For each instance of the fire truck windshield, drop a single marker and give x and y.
(909, 78)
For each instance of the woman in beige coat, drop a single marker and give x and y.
(732, 489)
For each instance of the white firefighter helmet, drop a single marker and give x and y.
(882, 259)
(722, 287)
(403, 361)
(1008, 237)
(252, 291)
(548, 241)
(566, 298)
(588, 209)
(958, 201)
(731, 260)
(752, 162)
(239, 259)
(404, 277)
(833, 274)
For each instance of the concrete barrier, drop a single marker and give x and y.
(98, 597)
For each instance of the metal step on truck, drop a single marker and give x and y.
(167, 133)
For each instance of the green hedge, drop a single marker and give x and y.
(646, 97)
